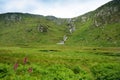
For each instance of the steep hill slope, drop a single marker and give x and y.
(24, 29)
(98, 28)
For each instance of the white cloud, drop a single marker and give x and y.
(58, 8)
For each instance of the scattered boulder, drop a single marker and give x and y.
(42, 28)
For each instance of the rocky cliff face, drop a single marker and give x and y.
(70, 29)
(108, 13)
(100, 27)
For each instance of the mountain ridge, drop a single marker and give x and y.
(95, 28)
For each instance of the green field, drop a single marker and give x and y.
(60, 62)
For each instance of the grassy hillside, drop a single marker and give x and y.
(24, 29)
(98, 28)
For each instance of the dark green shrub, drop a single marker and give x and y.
(106, 71)
(3, 72)
(77, 70)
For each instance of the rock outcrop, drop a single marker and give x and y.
(13, 17)
(71, 29)
(107, 14)
(42, 28)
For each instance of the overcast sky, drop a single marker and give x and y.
(58, 8)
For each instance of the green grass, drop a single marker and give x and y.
(60, 63)
(25, 31)
(106, 33)
(88, 35)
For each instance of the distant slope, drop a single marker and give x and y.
(98, 28)
(24, 29)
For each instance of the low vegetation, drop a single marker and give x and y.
(56, 63)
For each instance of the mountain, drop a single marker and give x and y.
(24, 29)
(96, 28)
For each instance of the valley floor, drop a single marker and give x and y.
(59, 63)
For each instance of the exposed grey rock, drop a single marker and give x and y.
(42, 28)
(116, 9)
(96, 23)
(104, 14)
(71, 25)
(13, 17)
(71, 28)
(84, 18)
(69, 20)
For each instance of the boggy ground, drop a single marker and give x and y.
(59, 63)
